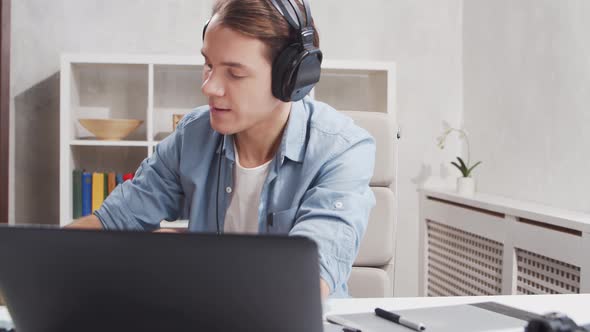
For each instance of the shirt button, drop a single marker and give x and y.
(338, 205)
(228, 190)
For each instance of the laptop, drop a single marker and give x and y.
(63, 280)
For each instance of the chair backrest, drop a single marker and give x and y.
(372, 272)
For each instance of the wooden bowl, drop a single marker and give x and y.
(110, 129)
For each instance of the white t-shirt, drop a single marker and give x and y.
(242, 213)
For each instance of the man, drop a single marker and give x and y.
(251, 161)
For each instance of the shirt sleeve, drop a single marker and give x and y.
(334, 212)
(154, 194)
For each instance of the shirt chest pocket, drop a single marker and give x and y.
(281, 222)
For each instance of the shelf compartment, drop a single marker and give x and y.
(121, 159)
(355, 90)
(109, 91)
(177, 90)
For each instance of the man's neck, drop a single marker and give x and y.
(260, 143)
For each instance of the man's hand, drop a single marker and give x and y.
(171, 230)
(88, 222)
(324, 289)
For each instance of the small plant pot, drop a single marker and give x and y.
(466, 186)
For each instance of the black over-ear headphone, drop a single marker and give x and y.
(297, 68)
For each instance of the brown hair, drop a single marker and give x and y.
(261, 20)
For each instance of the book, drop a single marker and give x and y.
(77, 194)
(86, 193)
(97, 190)
(106, 185)
(119, 178)
(127, 176)
(112, 182)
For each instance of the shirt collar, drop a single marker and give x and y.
(228, 146)
(293, 140)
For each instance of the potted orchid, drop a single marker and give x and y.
(465, 183)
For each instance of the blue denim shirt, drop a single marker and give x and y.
(317, 186)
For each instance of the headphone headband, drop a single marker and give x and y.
(307, 13)
(290, 11)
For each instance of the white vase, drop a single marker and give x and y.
(466, 186)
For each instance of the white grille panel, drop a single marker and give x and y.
(538, 274)
(462, 263)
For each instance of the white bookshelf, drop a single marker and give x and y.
(154, 87)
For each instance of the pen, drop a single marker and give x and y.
(348, 325)
(350, 329)
(390, 316)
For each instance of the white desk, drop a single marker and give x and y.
(575, 306)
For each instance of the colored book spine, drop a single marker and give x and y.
(97, 190)
(77, 194)
(127, 176)
(119, 178)
(86, 193)
(106, 185)
(112, 182)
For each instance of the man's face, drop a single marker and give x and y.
(237, 80)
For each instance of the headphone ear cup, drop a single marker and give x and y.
(282, 70)
(306, 74)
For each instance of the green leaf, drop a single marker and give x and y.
(462, 163)
(472, 167)
(461, 169)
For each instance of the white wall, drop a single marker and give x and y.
(41, 31)
(527, 98)
(424, 38)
